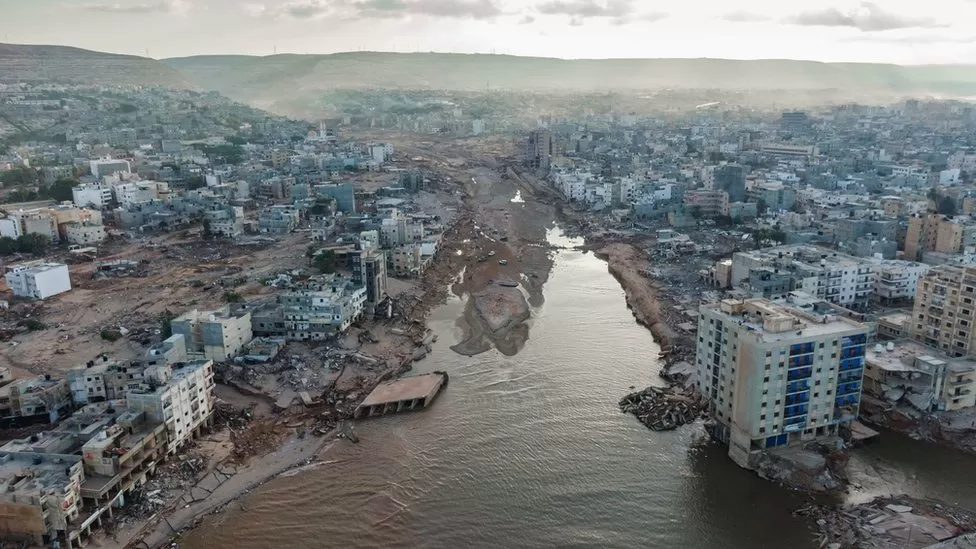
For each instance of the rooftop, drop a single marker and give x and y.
(408, 388)
(774, 322)
(910, 356)
(32, 473)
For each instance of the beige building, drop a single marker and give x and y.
(906, 372)
(179, 396)
(219, 335)
(709, 203)
(775, 374)
(40, 496)
(943, 314)
(938, 233)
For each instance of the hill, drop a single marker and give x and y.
(66, 65)
(264, 80)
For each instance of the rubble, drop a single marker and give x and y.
(663, 409)
(899, 522)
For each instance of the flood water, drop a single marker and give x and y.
(531, 451)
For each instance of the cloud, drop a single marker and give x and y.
(458, 9)
(744, 17)
(162, 6)
(527, 20)
(378, 9)
(912, 39)
(587, 8)
(867, 17)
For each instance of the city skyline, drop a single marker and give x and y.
(941, 31)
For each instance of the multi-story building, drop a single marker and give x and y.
(279, 219)
(92, 195)
(538, 150)
(41, 399)
(220, 335)
(40, 495)
(224, 220)
(84, 234)
(775, 374)
(834, 277)
(927, 380)
(730, 178)
(943, 315)
(107, 166)
(343, 193)
(38, 279)
(180, 396)
(319, 312)
(707, 203)
(369, 271)
(938, 233)
(897, 280)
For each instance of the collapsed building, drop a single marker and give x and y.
(908, 373)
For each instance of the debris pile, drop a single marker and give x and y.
(888, 523)
(663, 409)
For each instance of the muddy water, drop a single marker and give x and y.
(527, 451)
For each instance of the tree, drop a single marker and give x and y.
(326, 262)
(696, 212)
(233, 297)
(761, 207)
(61, 190)
(33, 243)
(196, 182)
(8, 246)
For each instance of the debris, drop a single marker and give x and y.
(663, 409)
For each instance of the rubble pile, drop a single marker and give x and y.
(888, 523)
(258, 438)
(663, 409)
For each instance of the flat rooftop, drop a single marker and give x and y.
(32, 472)
(408, 388)
(901, 358)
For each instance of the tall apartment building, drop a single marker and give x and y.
(775, 374)
(730, 178)
(538, 150)
(898, 280)
(180, 396)
(938, 233)
(38, 279)
(108, 166)
(369, 271)
(943, 315)
(318, 312)
(220, 335)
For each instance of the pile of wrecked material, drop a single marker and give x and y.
(664, 409)
(894, 523)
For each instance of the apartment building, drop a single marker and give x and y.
(92, 195)
(220, 335)
(896, 281)
(775, 374)
(108, 166)
(38, 279)
(707, 203)
(40, 496)
(318, 312)
(945, 302)
(180, 396)
(85, 234)
(280, 219)
(39, 399)
(907, 372)
(938, 233)
(838, 278)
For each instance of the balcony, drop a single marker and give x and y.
(798, 374)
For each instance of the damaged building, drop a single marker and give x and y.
(908, 373)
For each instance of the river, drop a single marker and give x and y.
(531, 451)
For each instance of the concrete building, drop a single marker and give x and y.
(707, 203)
(220, 335)
(896, 281)
(40, 496)
(343, 193)
(369, 271)
(180, 396)
(775, 375)
(38, 279)
(85, 234)
(279, 219)
(730, 178)
(107, 166)
(943, 312)
(40, 400)
(538, 150)
(938, 233)
(319, 312)
(93, 195)
(907, 372)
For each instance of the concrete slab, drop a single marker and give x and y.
(408, 393)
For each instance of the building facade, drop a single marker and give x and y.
(38, 279)
(775, 375)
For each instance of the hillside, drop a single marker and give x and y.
(65, 65)
(264, 80)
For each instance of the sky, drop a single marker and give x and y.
(886, 31)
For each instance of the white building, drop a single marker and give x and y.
(896, 280)
(950, 177)
(85, 234)
(775, 375)
(38, 279)
(108, 166)
(381, 152)
(179, 396)
(219, 335)
(92, 195)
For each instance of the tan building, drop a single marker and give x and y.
(908, 373)
(40, 496)
(709, 203)
(938, 233)
(943, 314)
(219, 335)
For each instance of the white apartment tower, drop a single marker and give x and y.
(775, 375)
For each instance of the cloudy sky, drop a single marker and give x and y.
(897, 31)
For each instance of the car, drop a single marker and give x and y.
(503, 262)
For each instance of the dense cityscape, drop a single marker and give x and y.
(195, 288)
